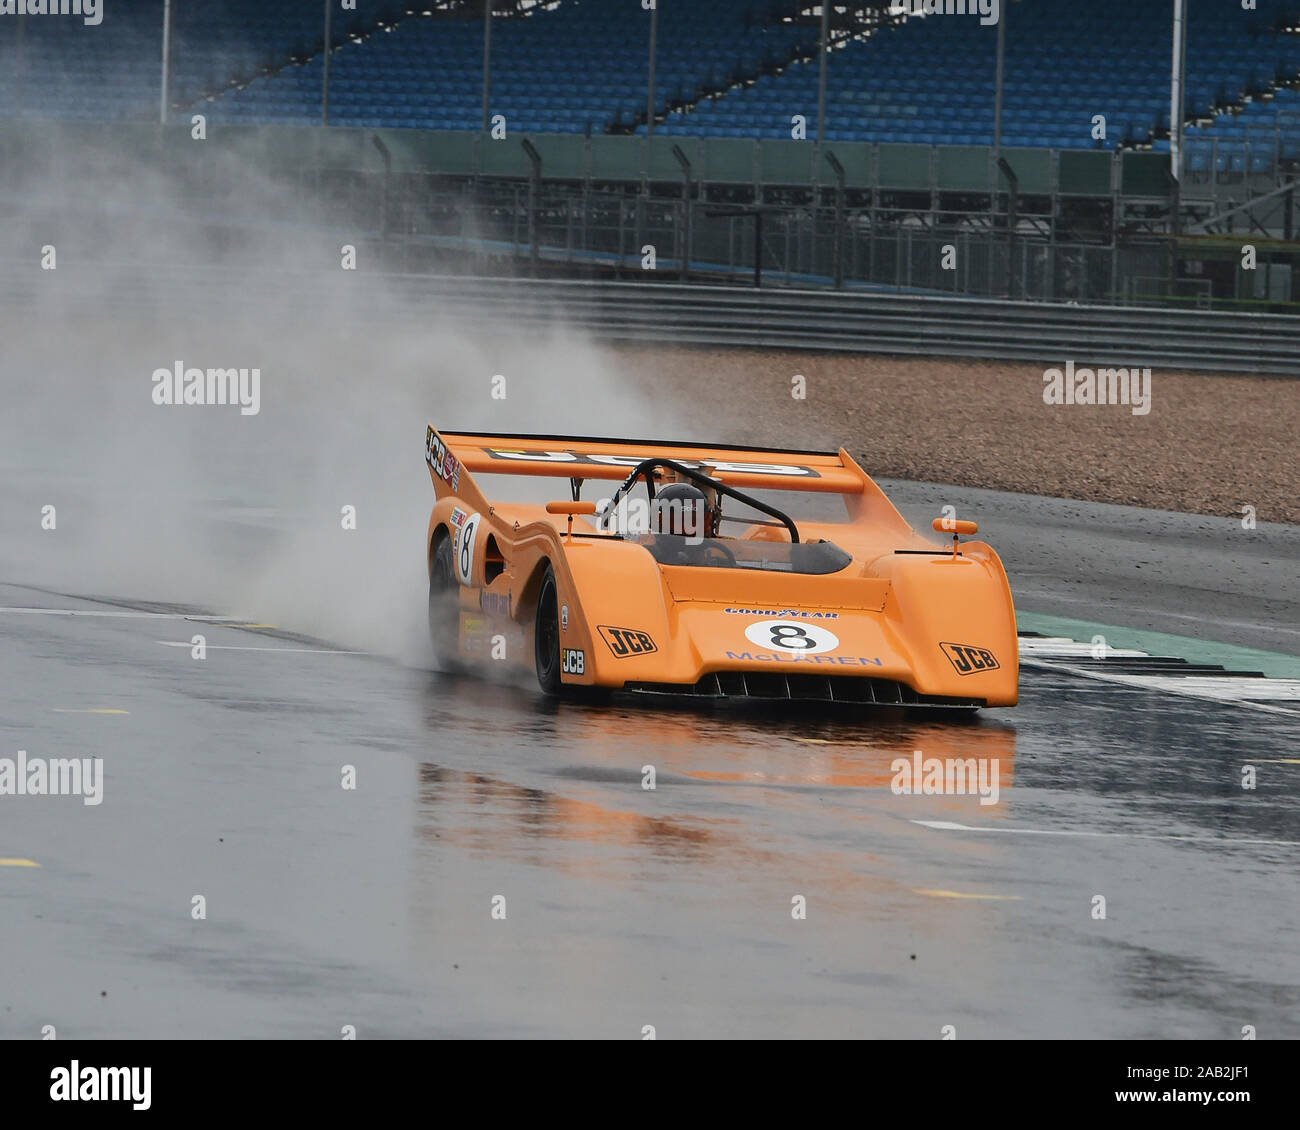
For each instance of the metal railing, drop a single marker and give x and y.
(889, 324)
(677, 314)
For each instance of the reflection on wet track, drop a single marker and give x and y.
(502, 867)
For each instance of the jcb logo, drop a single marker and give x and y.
(573, 661)
(625, 641)
(968, 660)
(435, 451)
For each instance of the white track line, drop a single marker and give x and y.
(1184, 685)
(950, 826)
(1065, 648)
(1227, 689)
(121, 614)
(1042, 651)
(134, 615)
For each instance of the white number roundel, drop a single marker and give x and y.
(465, 549)
(791, 636)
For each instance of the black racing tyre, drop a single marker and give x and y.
(444, 602)
(546, 635)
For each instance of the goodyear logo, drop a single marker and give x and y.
(969, 660)
(782, 613)
(627, 641)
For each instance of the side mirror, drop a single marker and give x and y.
(955, 527)
(570, 508)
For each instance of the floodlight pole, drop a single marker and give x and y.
(18, 94)
(650, 86)
(487, 65)
(823, 52)
(997, 97)
(325, 79)
(1177, 80)
(166, 61)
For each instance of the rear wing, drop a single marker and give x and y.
(578, 457)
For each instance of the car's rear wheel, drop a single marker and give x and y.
(546, 634)
(444, 603)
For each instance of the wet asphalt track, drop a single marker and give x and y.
(624, 907)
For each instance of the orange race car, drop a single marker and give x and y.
(644, 591)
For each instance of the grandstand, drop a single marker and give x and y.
(909, 118)
(889, 87)
(729, 68)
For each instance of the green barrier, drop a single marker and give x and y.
(602, 157)
(1085, 172)
(564, 155)
(904, 166)
(729, 160)
(858, 161)
(1145, 174)
(963, 168)
(1033, 169)
(786, 162)
(617, 158)
(661, 164)
(503, 157)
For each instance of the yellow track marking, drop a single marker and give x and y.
(253, 625)
(1276, 760)
(814, 741)
(18, 863)
(96, 710)
(963, 895)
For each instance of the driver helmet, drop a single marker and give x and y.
(682, 509)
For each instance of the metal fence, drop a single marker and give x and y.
(813, 241)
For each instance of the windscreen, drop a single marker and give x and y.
(727, 553)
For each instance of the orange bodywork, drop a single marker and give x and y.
(906, 610)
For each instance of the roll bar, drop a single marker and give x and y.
(646, 466)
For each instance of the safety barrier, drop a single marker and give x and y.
(860, 321)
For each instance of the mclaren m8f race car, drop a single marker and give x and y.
(679, 580)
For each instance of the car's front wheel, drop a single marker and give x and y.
(546, 634)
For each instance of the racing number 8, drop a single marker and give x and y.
(795, 639)
(790, 637)
(465, 558)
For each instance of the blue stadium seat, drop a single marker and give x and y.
(579, 66)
